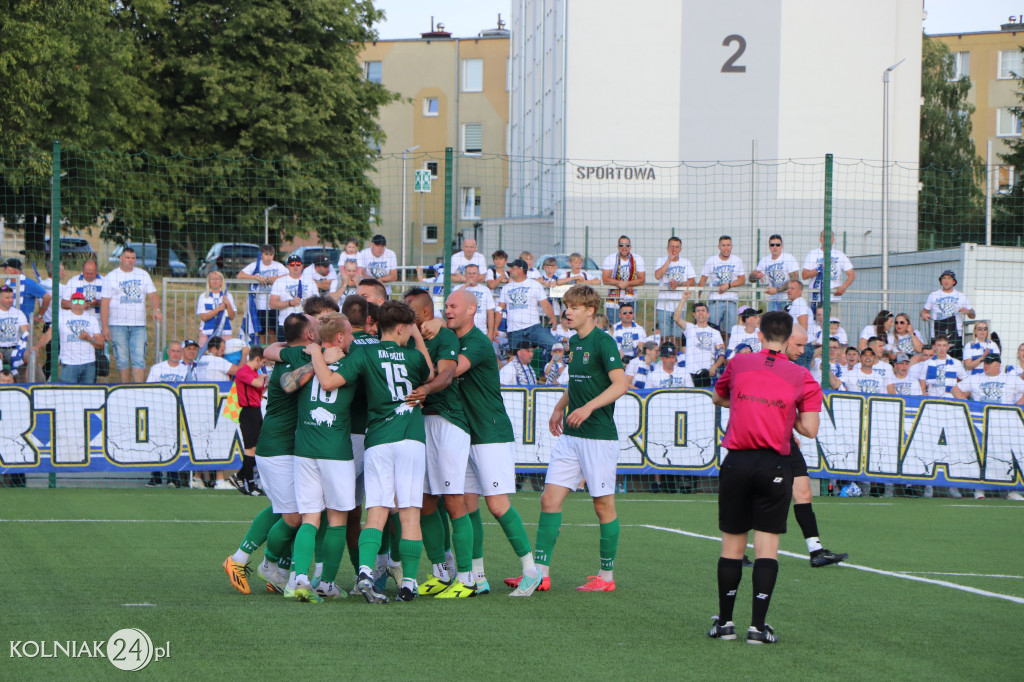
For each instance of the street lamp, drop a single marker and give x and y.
(405, 191)
(885, 181)
(266, 223)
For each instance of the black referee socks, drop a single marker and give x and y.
(730, 571)
(765, 573)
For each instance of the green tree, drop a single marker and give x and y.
(950, 209)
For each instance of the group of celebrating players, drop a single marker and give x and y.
(381, 406)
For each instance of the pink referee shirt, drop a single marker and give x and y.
(765, 393)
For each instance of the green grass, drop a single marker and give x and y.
(69, 581)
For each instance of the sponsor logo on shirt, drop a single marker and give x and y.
(320, 416)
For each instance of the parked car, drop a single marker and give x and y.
(146, 258)
(229, 258)
(563, 262)
(75, 248)
(308, 253)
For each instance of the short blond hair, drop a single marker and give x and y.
(331, 325)
(582, 295)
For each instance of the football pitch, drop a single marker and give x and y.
(934, 589)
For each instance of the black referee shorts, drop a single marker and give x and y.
(798, 464)
(250, 421)
(754, 491)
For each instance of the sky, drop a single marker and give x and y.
(466, 18)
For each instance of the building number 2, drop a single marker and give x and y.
(730, 65)
(398, 381)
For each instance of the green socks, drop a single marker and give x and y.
(396, 537)
(258, 530)
(512, 524)
(302, 553)
(320, 531)
(410, 551)
(445, 519)
(609, 544)
(369, 545)
(478, 534)
(333, 549)
(547, 535)
(463, 540)
(433, 537)
(279, 541)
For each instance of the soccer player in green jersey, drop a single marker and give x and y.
(587, 445)
(492, 469)
(394, 461)
(447, 430)
(324, 471)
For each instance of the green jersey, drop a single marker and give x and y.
(447, 403)
(324, 429)
(277, 436)
(358, 416)
(481, 391)
(590, 360)
(389, 373)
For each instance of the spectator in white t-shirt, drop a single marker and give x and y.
(747, 332)
(350, 253)
(212, 366)
(863, 378)
(378, 262)
(89, 283)
(485, 319)
(518, 371)
(576, 274)
(705, 350)
(548, 279)
(672, 272)
(348, 281)
(627, 333)
(942, 372)
(976, 351)
(263, 272)
(667, 373)
(722, 272)
(79, 338)
(905, 339)
(1016, 367)
(881, 328)
(836, 368)
(288, 292)
(774, 272)
(531, 272)
(323, 274)
(623, 271)
(642, 365)
(841, 275)
(13, 332)
(553, 370)
(523, 300)
(469, 254)
(215, 308)
(123, 315)
(171, 370)
(903, 383)
(497, 274)
(801, 314)
(945, 309)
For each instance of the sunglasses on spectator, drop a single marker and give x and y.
(774, 243)
(78, 302)
(981, 329)
(626, 245)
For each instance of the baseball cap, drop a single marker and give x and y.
(748, 313)
(526, 345)
(189, 342)
(78, 296)
(948, 273)
(379, 239)
(13, 263)
(668, 350)
(519, 263)
(902, 357)
(992, 357)
(293, 259)
(558, 346)
(321, 259)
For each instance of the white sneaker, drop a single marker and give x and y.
(274, 575)
(890, 490)
(1015, 496)
(954, 493)
(929, 491)
(330, 591)
(979, 494)
(195, 482)
(223, 485)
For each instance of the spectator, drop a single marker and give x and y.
(172, 370)
(863, 378)
(553, 370)
(212, 366)
(519, 370)
(627, 333)
(852, 358)
(743, 348)
(836, 369)
(903, 383)
(216, 308)
(835, 331)
(905, 339)
(497, 274)
(942, 372)
(642, 365)
(656, 336)
(123, 315)
(520, 299)
(840, 265)
(13, 331)
(705, 350)
(350, 254)
(249, 385)
(562, 331)
(460, 259)
(801, 313)
(6, 377)
(27, 291)
(189, 353)
(485, 319)
(288, 293)
(624, 271)
(79, 338)
(264, 272)
(775, 271)
(348, 282)
(945, 309)
(724, 271)
(323, 274)
(918, 363)
(378, 262)
(881, 366)
(672, 272)
(746, 333)
(548, 279)
(89, 283)
(1016, 368)
(576, 274)
(976, 352)
(531, 272)
(880, 328)
(601, 322)
(668, 374)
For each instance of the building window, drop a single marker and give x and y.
(373, 214)
(374, 72)
(430, 234)
(961, 65)
(472, 75)
(472, 138)
(432, 167)
(1004, 179)
(1007, 123)
(1010, 65)
(470, 203)
(431, 107)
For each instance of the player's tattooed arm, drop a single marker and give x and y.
(297, 378)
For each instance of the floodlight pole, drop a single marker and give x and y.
(885, 181)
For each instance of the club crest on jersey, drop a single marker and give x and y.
(586, 358)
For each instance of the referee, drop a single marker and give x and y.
(767, 396)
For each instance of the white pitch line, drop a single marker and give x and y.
(138, 604)
(905, 576)
(968, 575)
(119, 521)
(985, 506)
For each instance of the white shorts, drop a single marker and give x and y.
(324, 484)
(573, 459)
(492, 469)
(358, 448)
(447, 456)
(277, 476)
(393, 474)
